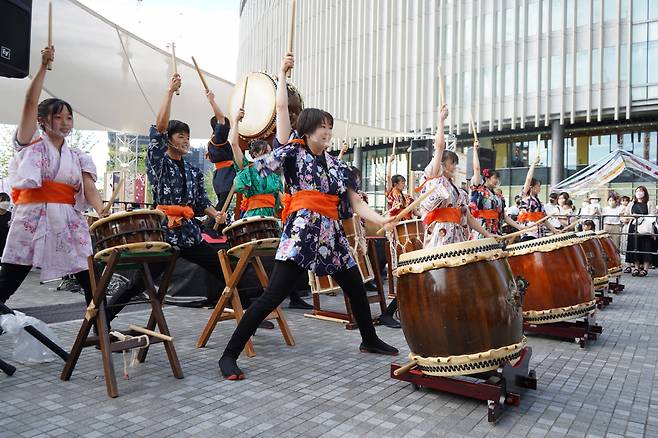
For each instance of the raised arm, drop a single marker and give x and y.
(234, 139)
(477, 179)
(439, 144)
(343, 150)
(28, 123)
(162, 121)
(283, 126)
(389, 173)
(513, 223)
(528, 177)
(364, 211)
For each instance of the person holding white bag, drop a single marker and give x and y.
(641, 232)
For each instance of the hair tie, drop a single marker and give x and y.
(486, 173)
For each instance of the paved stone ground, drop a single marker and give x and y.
(324, 387)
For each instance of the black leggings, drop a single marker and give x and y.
(284, 276)
(12, 276)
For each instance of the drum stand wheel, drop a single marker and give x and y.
(250, 254)
(137, 337)
(498, 388)
(581, 331)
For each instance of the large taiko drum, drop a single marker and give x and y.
(409, 236)
(612, 252)
(135, 231)
(356, 237)
(559, 285)
(261, 232)
(259, 120)
(596, 258)
(460, 308)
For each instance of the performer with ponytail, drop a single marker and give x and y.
(531, 208)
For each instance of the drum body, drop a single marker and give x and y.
(409, 236)
(262, 232)
(460, 308)
(135, 231)
(596, 258)
(612, 252)
(259, 121)
(356, 237)
(559, 285)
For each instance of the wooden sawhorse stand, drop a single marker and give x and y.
(347, 318)
(96, 316)
(250, 255)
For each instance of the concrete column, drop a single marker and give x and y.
(557, 155)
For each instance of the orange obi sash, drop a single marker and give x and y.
(223, 164)
(448, 214)
(265, 200)
(321, 203)
(51, 192)
(533, 216)
(486, 214)
(176, 214)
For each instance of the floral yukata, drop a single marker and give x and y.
(313, 241)
(397, 201)
(250, 183)
(485, 203)
(51, 236)
(447, 195)
(531, 204)
(176, 183)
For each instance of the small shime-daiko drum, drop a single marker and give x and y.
(262, 232)
(356, 236)
(409, 236)
(259, 120)
(612, 252)
(559, 285)
(460, 308)
(136, 231)
(596, 258)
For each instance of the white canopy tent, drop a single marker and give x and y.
(604, 171)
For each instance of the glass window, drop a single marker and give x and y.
(488, 29)
(509, 24)
(582, 13)
(468, 23)
(653, 54)
(556, 15)
(639, 33)
(581, 68)
(653, 31)
(556, 72)
(640, 8)
(609, 64)
(568, 72)
(533, 18)
(595, 66)
(519, 154)
(486, 86)
(639, 93)
(653, 10)
(509, 79)
(639, 64)
(571, 4)
(609, 10)
(623, 63)
(531, 76)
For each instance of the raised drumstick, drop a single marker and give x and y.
(244, 92)
(475, 133)
(198, 70)
(291, 27)
(516, 234)
(115, 193)
(409, 208)
(173, 61)
(442, 90)
(50, 31)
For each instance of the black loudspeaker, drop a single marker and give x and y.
(15, 28)
(487, 160)
(421, 153)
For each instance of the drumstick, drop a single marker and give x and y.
(516, 234)
(291, 27)
(404, 368)
(173, 60)
(226, 204)
(409, 208)
(244, 92)
(442, 91)
(198, 70)
(50, 31)
(475, 133)
(113, 198)
(145, 331)
(571, 226)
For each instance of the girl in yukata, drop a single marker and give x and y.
(531, 208)
(52, 185)
(445, 212)
(322, 191)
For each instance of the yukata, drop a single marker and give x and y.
(397, 201)
(488, 208)
(51, 236)
(311, 240)
(221, 155)
(251, 184)
(446, 196)
(530, 211)
(176, 183)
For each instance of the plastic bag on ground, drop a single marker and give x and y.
(27, 349)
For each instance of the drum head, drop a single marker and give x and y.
(124, 214)
(259, 107)
(253, 219)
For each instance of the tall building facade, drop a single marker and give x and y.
(581, 73)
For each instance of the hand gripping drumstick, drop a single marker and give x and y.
(113, 198)
(198, 70)
(291, 27)
(173, 61)
(571, 226)
(50, 31)
(516, 234)
(409, 208)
